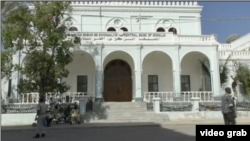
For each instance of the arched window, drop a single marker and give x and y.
(111, 29)
(172, 30)
(160, 29)
(124, 29)
(73, 29)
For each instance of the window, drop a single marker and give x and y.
(153, 83)
(160, 29)
(185, 83)
(73, 29)
(124, 29)
(172, 30)
(82, 83)
(111, 29)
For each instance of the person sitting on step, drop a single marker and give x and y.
(75, 116)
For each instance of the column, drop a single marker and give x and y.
(99, 77)
(99, 85)
(215, 72)
(176, 71)
(138, 70)
(15, 78)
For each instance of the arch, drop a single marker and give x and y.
(195, 71)
(115, 18)
(124, 29)
(160, 29)
(194, 52)
(119, 54)
(81, 77)
(117, 81)
(157, 65)
(73, 28)
(172, 29)
(111, 29)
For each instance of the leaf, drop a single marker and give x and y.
(224, 71)
(44, 43)
(205, 68)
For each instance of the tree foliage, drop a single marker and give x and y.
(232, 38)
(6, 64)
(43, 41)
(224, 71)
(243, 76)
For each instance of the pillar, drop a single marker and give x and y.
(156, 102)
(215, 72)
(176, 71)
(138, 70)
(99, 77)
(196, 101)
(99, 85)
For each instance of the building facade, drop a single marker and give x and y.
(130, 50)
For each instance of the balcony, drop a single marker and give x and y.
(134, 38)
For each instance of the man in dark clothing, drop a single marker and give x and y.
(228, 108)
(41, 118)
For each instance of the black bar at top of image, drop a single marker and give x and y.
(232, 132)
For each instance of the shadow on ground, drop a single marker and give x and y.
(99, 112)
(154, 132)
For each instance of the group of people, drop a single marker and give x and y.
(41, 116)
(228, 107)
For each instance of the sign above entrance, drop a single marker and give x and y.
(125, 36)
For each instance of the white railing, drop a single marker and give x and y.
(203, 95)
(235, 54)
(225, 47)
(196, 38)
(134, 3)
(165, 96)
(28, 98)
(183, 97)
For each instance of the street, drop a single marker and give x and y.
(150, 133)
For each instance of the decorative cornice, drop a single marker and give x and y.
(136, 3)
(138, 6)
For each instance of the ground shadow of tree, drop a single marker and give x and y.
(99, 112)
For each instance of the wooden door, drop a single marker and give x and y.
(117, 82)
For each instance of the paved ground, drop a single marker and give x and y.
(141, 133)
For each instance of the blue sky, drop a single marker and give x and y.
(223, 29)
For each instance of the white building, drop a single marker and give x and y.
(159, 51)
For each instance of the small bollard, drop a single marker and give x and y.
(196, 101)
(156, 103)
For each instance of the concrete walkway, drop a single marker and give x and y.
(245, 121)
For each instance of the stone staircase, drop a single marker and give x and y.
(115, 112)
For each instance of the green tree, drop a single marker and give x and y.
(229, 40)
(243, 76)
(232, 38)
(224, 70)
(6, 64)
(44, 42)
(6, 8)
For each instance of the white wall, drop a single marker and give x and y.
(17, 119)
(90, 21)
(82, 64)
(190, 65)
(158, 63)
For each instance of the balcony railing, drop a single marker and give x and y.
(183, 97)
(27, 98)
(135, 3)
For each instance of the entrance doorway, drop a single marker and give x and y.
(117, 81)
